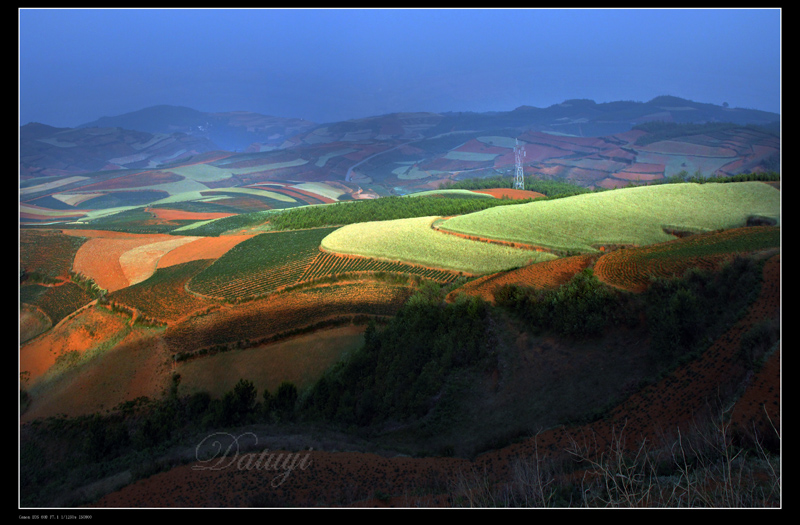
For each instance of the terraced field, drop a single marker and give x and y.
(260, 265)
(633, 268)
(630, 216)
(163, 296)
(329, 264)
(282, 313)
(413, 241)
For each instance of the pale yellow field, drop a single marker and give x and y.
(414, 241)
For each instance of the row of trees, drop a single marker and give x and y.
(385, 208)
(550, 188)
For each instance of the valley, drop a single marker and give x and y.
(374, 297)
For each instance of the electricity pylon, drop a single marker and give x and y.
(519, 177)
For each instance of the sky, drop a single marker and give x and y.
(327, 65)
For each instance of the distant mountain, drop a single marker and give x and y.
(232, 131)
(181, 153)
(48, 151)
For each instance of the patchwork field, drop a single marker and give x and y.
(116, 260)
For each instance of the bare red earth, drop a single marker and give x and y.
(547, 274)
(511, 193)
(172, 215)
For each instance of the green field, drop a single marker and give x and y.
(636, 215)
(260, 265)
(414, 241)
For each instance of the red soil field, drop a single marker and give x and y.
(134, 180)
(137, 361)
(99, 257)
(511, 193)
(166, 300)
(202, 248)
(87, 331)
(279, 313)
(548, 274)
(173, 215)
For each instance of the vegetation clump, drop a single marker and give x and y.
(405, 365)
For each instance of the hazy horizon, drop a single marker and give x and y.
(325, 65)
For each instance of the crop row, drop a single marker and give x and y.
(633, 268)
(163, 295)
(57, 302)
(260, 264)
(328, 264)
(47, 252)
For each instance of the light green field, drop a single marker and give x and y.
(209, 173)
(412, 173)
(255, 192)
(635, 215)
(414, 241)
(320, 188)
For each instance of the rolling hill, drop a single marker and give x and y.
(465, 346)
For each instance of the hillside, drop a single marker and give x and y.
(350, 295)
(233, 162)
(629, 216)
(232, 131)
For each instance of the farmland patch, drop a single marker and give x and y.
(279, 314)
(542, 275)
(103, 257)
(163, 296)
(260, 265)
(300, 360)
(414, 241)
(633, 268)
(630, 216)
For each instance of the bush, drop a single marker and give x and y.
(757, 342)
(583, 307)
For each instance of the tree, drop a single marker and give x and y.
(285, 399)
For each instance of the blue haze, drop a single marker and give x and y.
(77, 65)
